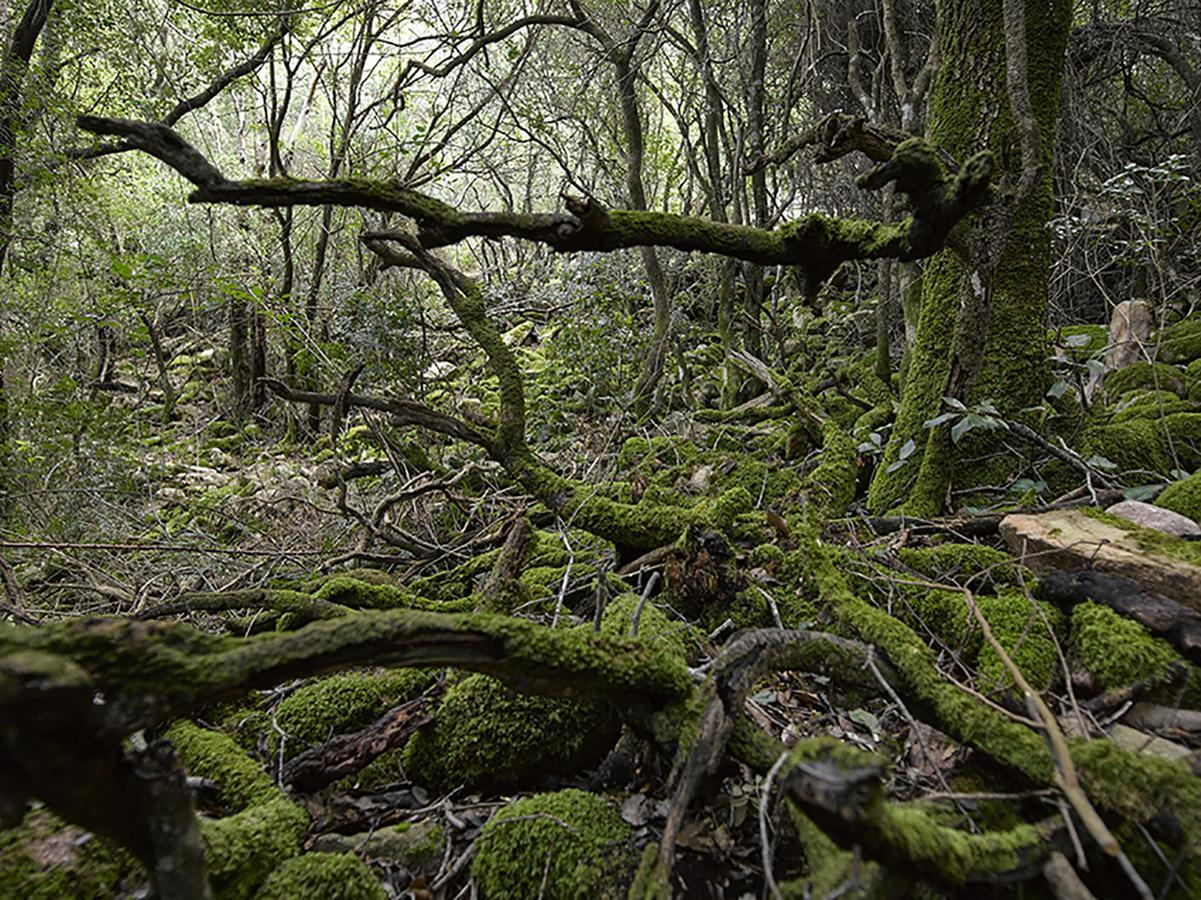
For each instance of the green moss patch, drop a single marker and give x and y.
(832, 484)
(241, 849)
(1157, 445)
(562, 846)
(1142, 375)
(484, 734)
(342, 703)
(976, 563)
(1080, 343)
(1022, 629)
(44, 858)
(1181, 343)
(1116, 650)
(1148, 404)
(663, 634)
(329, 876)
(1183, 496)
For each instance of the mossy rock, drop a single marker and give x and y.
(1150, 376)
(330, 876)
(1181, 343)
(1156, 445)
(654, 627)
(1149, 404)
(342, 703)
(1183, 496)
(945, 613)
(485, 735)
(766, 556)
(1117, 651)
(562, 846)
(45, 858)
(1193, 373)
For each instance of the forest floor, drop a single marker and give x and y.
(792, 697)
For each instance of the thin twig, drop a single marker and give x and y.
(764, 840)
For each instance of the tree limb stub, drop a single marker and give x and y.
(842, 790)
(815, 243)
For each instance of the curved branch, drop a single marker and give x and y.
(405, 411)
(841, 790)
(486, 40)
(815, 243)
(150, 672)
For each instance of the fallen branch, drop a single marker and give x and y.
(347, 754)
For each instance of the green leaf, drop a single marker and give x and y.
(1100, 462)
(866, 719)
(1022, 485)
(1057, 390)
(964, 425)
(1142, 491)
(907, 449)
(954, 404)
(1077, 340)
(940, 420)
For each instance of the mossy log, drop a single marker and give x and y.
(1162, 795)
(1179, 625)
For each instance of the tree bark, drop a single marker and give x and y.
(981, 331)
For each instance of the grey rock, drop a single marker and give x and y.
(1156, 517)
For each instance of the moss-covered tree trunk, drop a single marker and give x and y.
(981, 332)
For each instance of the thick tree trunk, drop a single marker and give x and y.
(981, 332)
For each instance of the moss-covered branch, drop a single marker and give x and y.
(154, 671)
(840, 789)
(1159, 793)
(56, 746)
(815, 243)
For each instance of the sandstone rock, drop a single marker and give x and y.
(1070, 539)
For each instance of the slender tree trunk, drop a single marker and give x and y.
(884, 279)
(652, 370)
(160, 364)
(981, 332)
(726, 269)
(756, 146)
(13, 69)
(239, 356)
